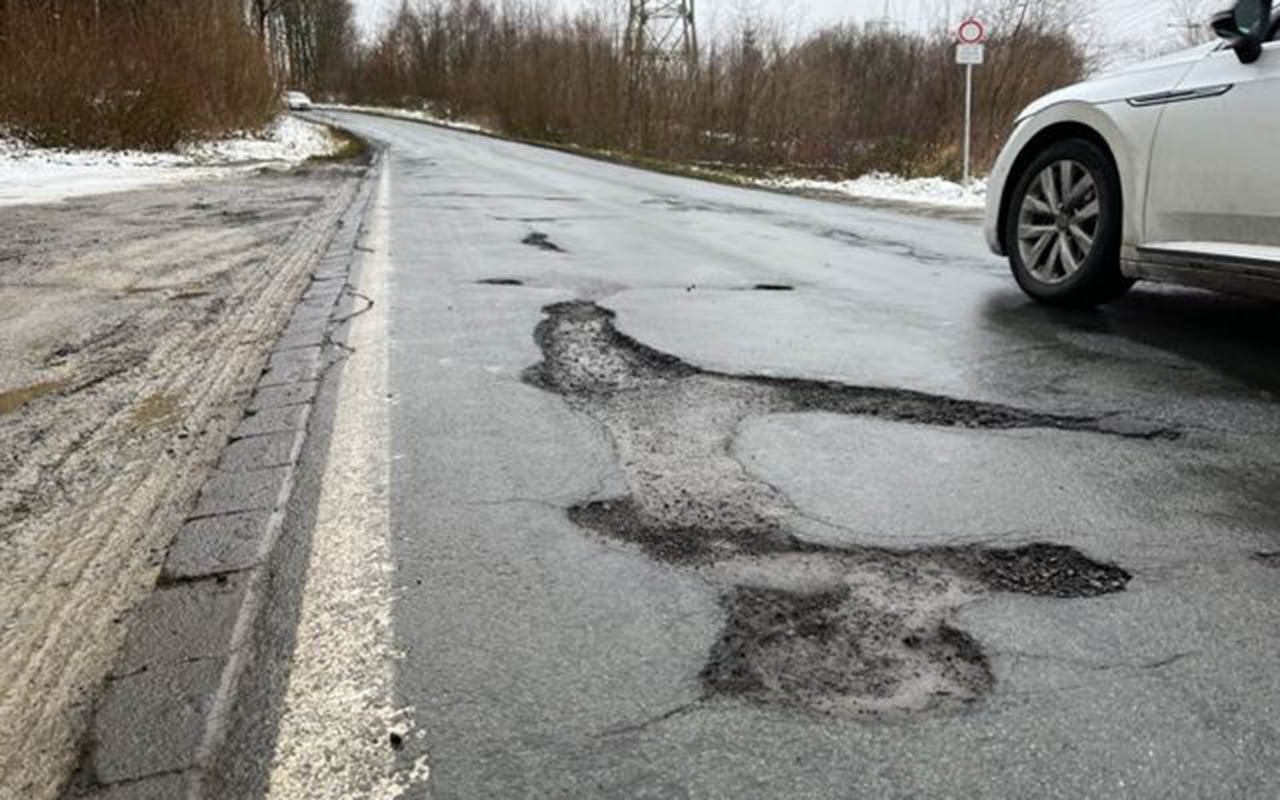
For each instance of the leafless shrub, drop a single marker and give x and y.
(837, 101)
(79, 73)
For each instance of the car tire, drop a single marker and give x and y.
(1062, 226)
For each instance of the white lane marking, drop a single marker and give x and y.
(339, 714)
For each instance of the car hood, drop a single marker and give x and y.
(1147, 77)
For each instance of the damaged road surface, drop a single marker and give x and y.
(693, 491)
(846, 644)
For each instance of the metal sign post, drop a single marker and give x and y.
(970, 52)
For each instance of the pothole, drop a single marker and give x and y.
(542, 242)
(1267, 559)
(870, 635)
(501, 282)
(585, 356)
(773, 287)
(1040, 569)
(839, 652)
(1046, 570)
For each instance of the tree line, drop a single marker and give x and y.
(835, 101)
(151, 74)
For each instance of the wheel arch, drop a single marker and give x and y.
(1049, 135)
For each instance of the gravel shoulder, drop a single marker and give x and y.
(134, 327)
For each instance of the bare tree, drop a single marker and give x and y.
(1190, 21)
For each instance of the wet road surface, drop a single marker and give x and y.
(645, 487)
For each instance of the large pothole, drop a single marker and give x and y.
(840, 630)
(837, 651)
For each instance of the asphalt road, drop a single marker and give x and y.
(605, 511)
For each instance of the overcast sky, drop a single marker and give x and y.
(1120, 20)
(809, 13)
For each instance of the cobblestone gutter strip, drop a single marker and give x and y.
(164, 712)
(151, 313)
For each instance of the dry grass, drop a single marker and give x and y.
(346, 146)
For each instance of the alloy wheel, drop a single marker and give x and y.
(1058, 221)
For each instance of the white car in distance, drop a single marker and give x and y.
(297, 101)
(1164, 171)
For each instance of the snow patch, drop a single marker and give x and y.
(38, 175)
(884, 186)
(290, 140)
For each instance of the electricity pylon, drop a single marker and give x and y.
(662, 32)
(887, 23)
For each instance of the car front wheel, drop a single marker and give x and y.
(1063, 226)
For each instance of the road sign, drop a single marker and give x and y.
(970, 54)
(971, 31)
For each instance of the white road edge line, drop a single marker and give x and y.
(339, 710)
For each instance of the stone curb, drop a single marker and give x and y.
(163, 713)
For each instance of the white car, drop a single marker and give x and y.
(297, 101)
(1164, 171)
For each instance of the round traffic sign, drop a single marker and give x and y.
(971, 31)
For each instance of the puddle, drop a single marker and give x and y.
(870, 633)
(153, 411)
(15, 399)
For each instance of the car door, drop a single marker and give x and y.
(1214, 180)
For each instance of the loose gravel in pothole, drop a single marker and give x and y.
(835, 651)
(542, 242)
(849, 631)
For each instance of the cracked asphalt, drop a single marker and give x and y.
(660, 488)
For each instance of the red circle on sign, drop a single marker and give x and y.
(971, 31)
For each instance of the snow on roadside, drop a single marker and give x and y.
(883, 186)
(290, 140)
(407, 113)
(36, 175)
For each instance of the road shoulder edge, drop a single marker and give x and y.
(163, 715)
(724, 178)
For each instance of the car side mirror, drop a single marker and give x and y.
(1243, 27)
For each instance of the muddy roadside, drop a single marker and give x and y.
(133, 327)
